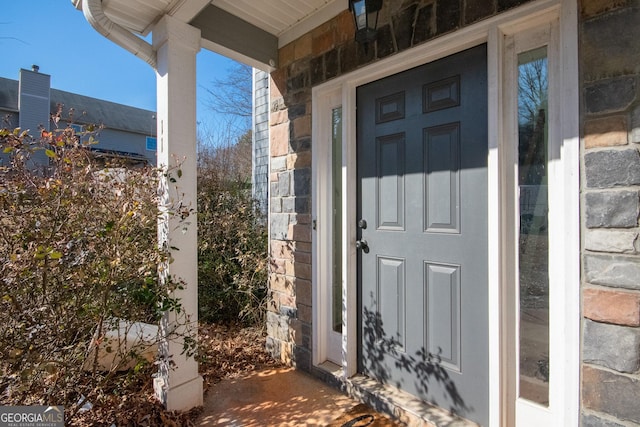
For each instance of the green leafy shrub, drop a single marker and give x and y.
(232, 238)
(78, 249)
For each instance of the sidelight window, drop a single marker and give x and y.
(336, 194)
(533, 241)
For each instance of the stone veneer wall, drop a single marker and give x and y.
(610, 126)
(610, 118)
(327, 52)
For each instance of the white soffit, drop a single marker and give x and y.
(186, 10)
(286, 19)
(138, 15)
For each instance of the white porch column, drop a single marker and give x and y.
(178, 384)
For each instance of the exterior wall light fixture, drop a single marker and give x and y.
(365, 15)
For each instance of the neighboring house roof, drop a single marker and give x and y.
(86, 109)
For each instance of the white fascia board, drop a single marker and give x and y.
(236, 56)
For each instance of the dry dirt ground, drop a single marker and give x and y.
(225, 351)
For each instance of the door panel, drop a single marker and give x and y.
(422, 190)
(441, 157)
(442, 316)
(391, 299)
(390, 184)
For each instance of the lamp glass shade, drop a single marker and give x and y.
(365, 15)
(360, 14)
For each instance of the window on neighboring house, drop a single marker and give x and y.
(79, 131)
(152, 143)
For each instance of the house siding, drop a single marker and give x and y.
(610, 180)
(610, 120)
(260, 159)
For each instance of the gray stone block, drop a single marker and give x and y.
(612, 270)
(613, 36)
(273, 347)
(590, 420)
(610, 95)
(306, 335)
(612, 346)
(299, 81)
(476, 10)
(302, 358)
(615, 241)
(331, 63)
(279, 226)
(295, 204)
(403, 25)
(297, 110)
(301, 144)
(284, 184)
(384, 41)
(448, 15)
(611, 168)
(611, 393)
(273, 188)
(612, 209)
(635, 125)
(507, 4)
(302, 182)
(288, 204)
(277, 326)
(278, 164)
(303, 205)
(276, 205)
(288, 312)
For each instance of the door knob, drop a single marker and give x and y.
(362, 245)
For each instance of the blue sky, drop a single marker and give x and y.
(55, 36)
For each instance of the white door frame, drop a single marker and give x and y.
(564, 409)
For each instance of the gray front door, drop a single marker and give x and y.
(422, 219)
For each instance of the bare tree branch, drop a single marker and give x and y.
(11, 38)
(231, 95)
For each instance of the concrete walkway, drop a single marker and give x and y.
(284, 397)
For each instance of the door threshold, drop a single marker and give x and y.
(401, 405)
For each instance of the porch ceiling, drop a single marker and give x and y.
(246, 30)
(280, 17)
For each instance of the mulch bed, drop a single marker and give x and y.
(226, 351)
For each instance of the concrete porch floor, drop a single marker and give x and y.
(284, 397)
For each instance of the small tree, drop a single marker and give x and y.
(232, 249)
(78, 253)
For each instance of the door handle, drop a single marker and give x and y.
(362, 245)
